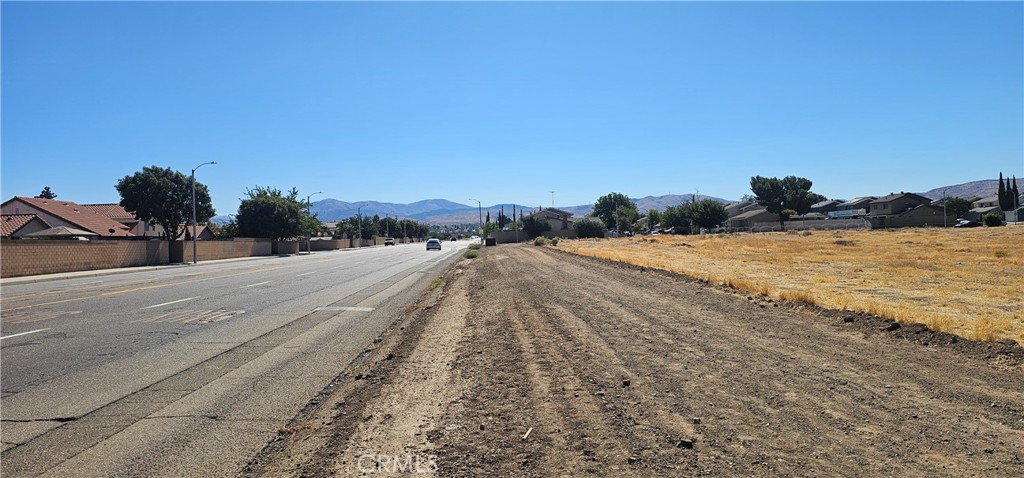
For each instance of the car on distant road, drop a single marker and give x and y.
(433, 244)
(389, 242)
(968, 224)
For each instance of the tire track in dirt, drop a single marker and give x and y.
(611, 367)
(747, 399)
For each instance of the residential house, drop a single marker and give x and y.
(976, 213)
(737, 208)
(559, 220)
(896, 203)
(17, 225)
(137, 226)
(856, 203)
(920, 215)
(753, 218)
(57, 213)
(203, 233)
(826, 206)
(986, 202)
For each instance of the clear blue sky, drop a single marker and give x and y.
(505, 102)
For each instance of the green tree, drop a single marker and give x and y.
(587, 228)
(226, 231)
(958, 206)
(607, 205)
(309, 224)
(1002, 193)
(653, 218)
(535, 225)
(503, 220)
(270, 214)
(1014, 194)
(708, 213)
(784, 196)
(363, 227)
(490, 227)
(678, 218)
(625, 216)
(46, 194)
(163, 196)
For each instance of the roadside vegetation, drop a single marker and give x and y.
(964, 282)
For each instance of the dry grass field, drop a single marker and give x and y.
(968, 282)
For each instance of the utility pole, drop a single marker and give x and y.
(480, 214)
(944, 220)
(553, 199)
(195, 245)
(308, 205)
(359, 225)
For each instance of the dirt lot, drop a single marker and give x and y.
(533, 362)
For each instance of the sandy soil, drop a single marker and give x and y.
(532, 362)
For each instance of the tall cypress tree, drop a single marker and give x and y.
(1009, 195)
(1014, 194)
(1002, 192)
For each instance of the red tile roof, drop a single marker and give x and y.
(187, 228)
(113, 211)
(10, 223)
(77, 215)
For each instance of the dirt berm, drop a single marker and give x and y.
(531, 362)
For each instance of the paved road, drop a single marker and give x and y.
(187, 370)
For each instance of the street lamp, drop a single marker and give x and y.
(480, 214)
(944, 217)
(359, 225)
(195, 246)
(308, 204)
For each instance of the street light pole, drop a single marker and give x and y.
(944, 217)
(195, 245)
(308, 205)
(480, 214)
(359, 225)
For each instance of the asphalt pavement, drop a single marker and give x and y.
(187, 370)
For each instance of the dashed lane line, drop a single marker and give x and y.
(169, 303)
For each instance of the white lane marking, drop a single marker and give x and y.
(345, 309)
(306, 274)
(339, 267)
(169, 303)
(93, 282)
(24, 333)
(254, 285)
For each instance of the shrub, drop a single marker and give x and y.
(992, 218)
(554, 241)
(535, 225)
(471, 254)
(540, 241)
(474, 245)
(587, 228)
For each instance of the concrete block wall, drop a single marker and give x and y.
(214, 250)
(33, 257)
(328, 244)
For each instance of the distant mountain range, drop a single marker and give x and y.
(981, 189)
(442, 211)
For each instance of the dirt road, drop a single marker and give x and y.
(532, 362)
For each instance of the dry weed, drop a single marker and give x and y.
(951, 280)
